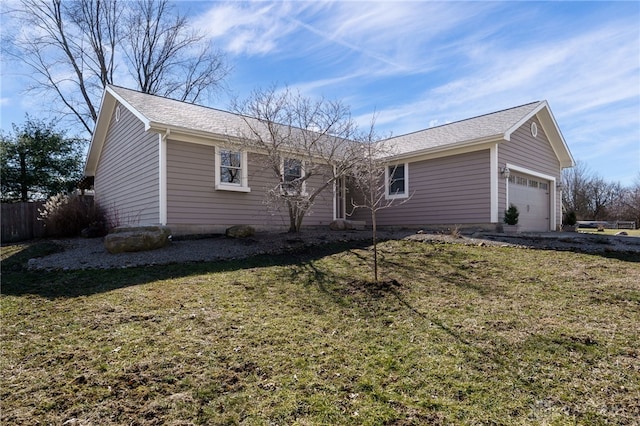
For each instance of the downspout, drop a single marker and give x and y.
(162, 176)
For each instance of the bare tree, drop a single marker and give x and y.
(590, 196)
(370, 181)
(602, 196)
(306, 145)
(575, 193)
(166, 56)
(73, 49)
(631, 202)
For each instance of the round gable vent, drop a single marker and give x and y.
(534, 129)
(117, 113)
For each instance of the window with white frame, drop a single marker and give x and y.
(292, 174)
(231, 171)
(397, 180)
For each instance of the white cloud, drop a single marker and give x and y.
(588, 71)
(241, 28)
(390, 37)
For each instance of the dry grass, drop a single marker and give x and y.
(456, 335)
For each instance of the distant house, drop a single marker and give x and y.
(157, 160)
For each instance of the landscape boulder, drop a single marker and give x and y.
(137, 238)
(240, 231)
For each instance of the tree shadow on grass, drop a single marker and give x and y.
(17, 281)
(623, 248)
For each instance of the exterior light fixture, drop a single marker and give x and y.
(505, 172)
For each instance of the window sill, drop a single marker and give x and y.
(395, 196)
(294, 194)
(232, 188)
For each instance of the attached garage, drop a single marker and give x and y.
(531, 195)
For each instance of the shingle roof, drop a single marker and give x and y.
(168, 112)
(171, 113)
(495, 124)
(162, 113)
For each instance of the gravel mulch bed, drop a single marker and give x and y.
(81, 253)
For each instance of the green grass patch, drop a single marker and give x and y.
(454, 335)
(630, 232)
(14, 257)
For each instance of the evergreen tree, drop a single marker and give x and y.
(37, 161)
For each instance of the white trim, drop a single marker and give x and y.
(565, 160)
(387, 181)
(530, 172)
(552, 131)
(446, 150)
(335, 199)
(523, 120)
(343, 197)
(494, 181)
(339, 193)
(162, 177)
(244, 173)
(552, 190)
(99, 135)
(127, 105)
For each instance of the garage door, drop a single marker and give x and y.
(531, 196)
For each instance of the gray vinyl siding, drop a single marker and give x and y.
(126, 179)
(449, 190)
(531, 153)
(193, 200)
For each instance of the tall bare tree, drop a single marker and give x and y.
(590, 196)
(307, 145)
(630, 208)
(166, 56)
(73, 49)
(603, 196)
(575, 193)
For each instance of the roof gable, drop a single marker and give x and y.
(167, 116)
(493, 127)
(162, 115)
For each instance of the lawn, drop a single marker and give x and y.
(630, 232)
(455, 334)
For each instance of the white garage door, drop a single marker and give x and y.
(531, 196)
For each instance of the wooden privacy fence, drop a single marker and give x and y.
(20, 221)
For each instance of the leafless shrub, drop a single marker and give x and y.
(455, 232)
(67, 215)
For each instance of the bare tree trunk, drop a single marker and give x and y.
(73, 48)
(292, 218)
(24, 187)
(374, 234)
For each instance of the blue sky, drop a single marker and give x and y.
(420, 64)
